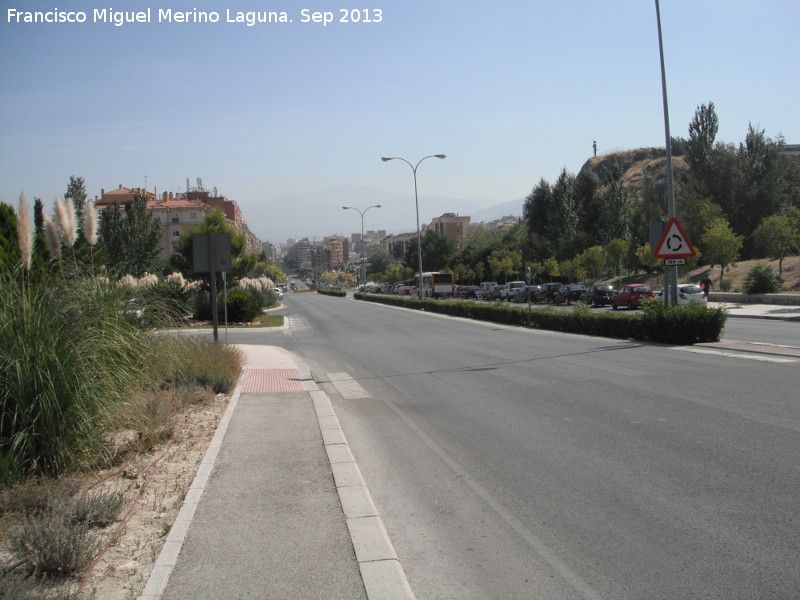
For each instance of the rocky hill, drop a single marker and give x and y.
(641, 168)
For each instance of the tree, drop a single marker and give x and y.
(437, 249)
(505, 264)
(132, 241)
(573, 269)
(592, 259)
(777, 237)
(537, 269)
(9, 247)
(378, 262)
(645, 257)
(702, 133)
(588, 205)
(538, 208)
(721, 245)
(76, 193)
(615, 216)
(563, 217)
(214, 221)
(616, 251)
(551, 267)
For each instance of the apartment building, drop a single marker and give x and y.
(178, 213)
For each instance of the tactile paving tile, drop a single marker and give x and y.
(266, 381)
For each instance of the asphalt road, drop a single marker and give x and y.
(509, 463)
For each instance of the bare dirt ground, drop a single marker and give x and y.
(735, 273)
(155, 486)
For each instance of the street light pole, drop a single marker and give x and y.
(416, 201)
(671, 273)
(363, 259)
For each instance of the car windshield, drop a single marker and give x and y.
(641, 289)
(691, 289)
(604, 288)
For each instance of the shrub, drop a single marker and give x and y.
(762, 279)
(687, 324)
(66, 357)
(242, 307)
(52, 542)
(97, 509)
(684, 325)
(332, 292)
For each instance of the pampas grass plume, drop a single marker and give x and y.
(24, 233)
(51, 237)
(90, 219)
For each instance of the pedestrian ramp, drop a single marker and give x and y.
(272, 381)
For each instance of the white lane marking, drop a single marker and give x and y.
(348, 387)
(746, 356)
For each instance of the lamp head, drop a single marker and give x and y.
(385, 158)
(440, 155)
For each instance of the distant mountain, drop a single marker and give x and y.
(512, 208)
(318, 214)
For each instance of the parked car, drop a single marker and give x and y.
(567, 294)
(509, 289)
(688, 293)
(631, 296)
(597, 295)
(526, 293)
(495, 293)
(485, 289)
(469, 291)
(546, 291)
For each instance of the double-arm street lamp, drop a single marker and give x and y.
(363, 260)
(416, 200)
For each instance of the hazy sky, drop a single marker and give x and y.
(511, 91)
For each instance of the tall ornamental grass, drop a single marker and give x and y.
(66, 359)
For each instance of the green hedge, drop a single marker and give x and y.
(673, 325)
(332, 292)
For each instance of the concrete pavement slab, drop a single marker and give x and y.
(264, 517)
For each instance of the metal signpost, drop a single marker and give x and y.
(211, 252)
(674, 248)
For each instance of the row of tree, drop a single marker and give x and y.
(735, 202)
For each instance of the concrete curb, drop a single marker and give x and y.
(381, 571)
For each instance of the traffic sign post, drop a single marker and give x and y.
(674, 248)
(674, 243)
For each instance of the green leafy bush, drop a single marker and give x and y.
(762, 279)
(242, 307)
(66, 357)
(687, 324)
(684, 325)
(331, 292)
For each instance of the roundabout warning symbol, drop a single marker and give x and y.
(674, 243)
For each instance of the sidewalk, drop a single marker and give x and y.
(760, 311)
(278, 508)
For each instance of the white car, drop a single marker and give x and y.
(688, 293)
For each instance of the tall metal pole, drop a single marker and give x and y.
(416, 201)
(671, 272)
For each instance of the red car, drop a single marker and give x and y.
(631, 295)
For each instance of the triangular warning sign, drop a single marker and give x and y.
(674, 243)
